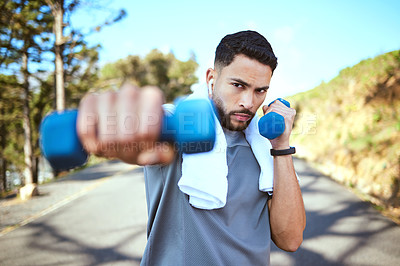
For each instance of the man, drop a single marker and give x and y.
(238, 233)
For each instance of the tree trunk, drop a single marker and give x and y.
(3, 180)
(58, 12)
(27, 122)
(30, 189)
(57, 9)
(3, 174)
(35, 170)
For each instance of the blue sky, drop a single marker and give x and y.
(313, 40)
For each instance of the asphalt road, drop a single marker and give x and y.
(105, 224)
(341, 229)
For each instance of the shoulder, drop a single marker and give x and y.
(165, 171)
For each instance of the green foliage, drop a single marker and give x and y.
(24, 28)
(81, 73)
(377, 116)
(26, 31)
(11, 143)
(171, 75)
(360, 143)
(359, 126)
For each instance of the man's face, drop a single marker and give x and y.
(239, 90)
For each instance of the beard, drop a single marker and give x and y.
(225, 117)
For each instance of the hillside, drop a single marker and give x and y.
(350, 128)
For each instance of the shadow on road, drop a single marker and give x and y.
(95, 172)
(338, 220)
(47, 240)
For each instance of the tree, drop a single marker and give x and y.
(27, 25)
(10, 111)
(27, 44)
(173, 76)
(57, 9)
(81, 73)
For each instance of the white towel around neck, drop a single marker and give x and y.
(204, 175)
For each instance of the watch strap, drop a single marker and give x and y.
(291, 150)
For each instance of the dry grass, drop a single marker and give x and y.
(350, 126)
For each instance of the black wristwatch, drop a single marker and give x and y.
(291, 150)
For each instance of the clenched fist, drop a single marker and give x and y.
(124, 125)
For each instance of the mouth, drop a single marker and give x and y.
(242, 117)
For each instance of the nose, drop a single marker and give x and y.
(247, 100)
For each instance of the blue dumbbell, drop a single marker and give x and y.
(191, 128)
(272, 125)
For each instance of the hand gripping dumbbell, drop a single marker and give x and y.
(272, 125)
(191, 128)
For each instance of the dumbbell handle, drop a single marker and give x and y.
(191, 127)
(272, 125)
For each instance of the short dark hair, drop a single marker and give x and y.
(249, 43)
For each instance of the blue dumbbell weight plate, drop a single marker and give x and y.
(195, 126)
(59, 141)
(272, 125)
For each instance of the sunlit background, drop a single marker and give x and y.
(313, 40)
(338, 66)
(348, 116)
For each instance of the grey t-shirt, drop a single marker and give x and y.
(180, 234)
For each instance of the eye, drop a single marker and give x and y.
(261, 91)
(237, 85)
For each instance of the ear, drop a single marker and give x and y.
(210, 79)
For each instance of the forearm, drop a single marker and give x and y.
(286, 208)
